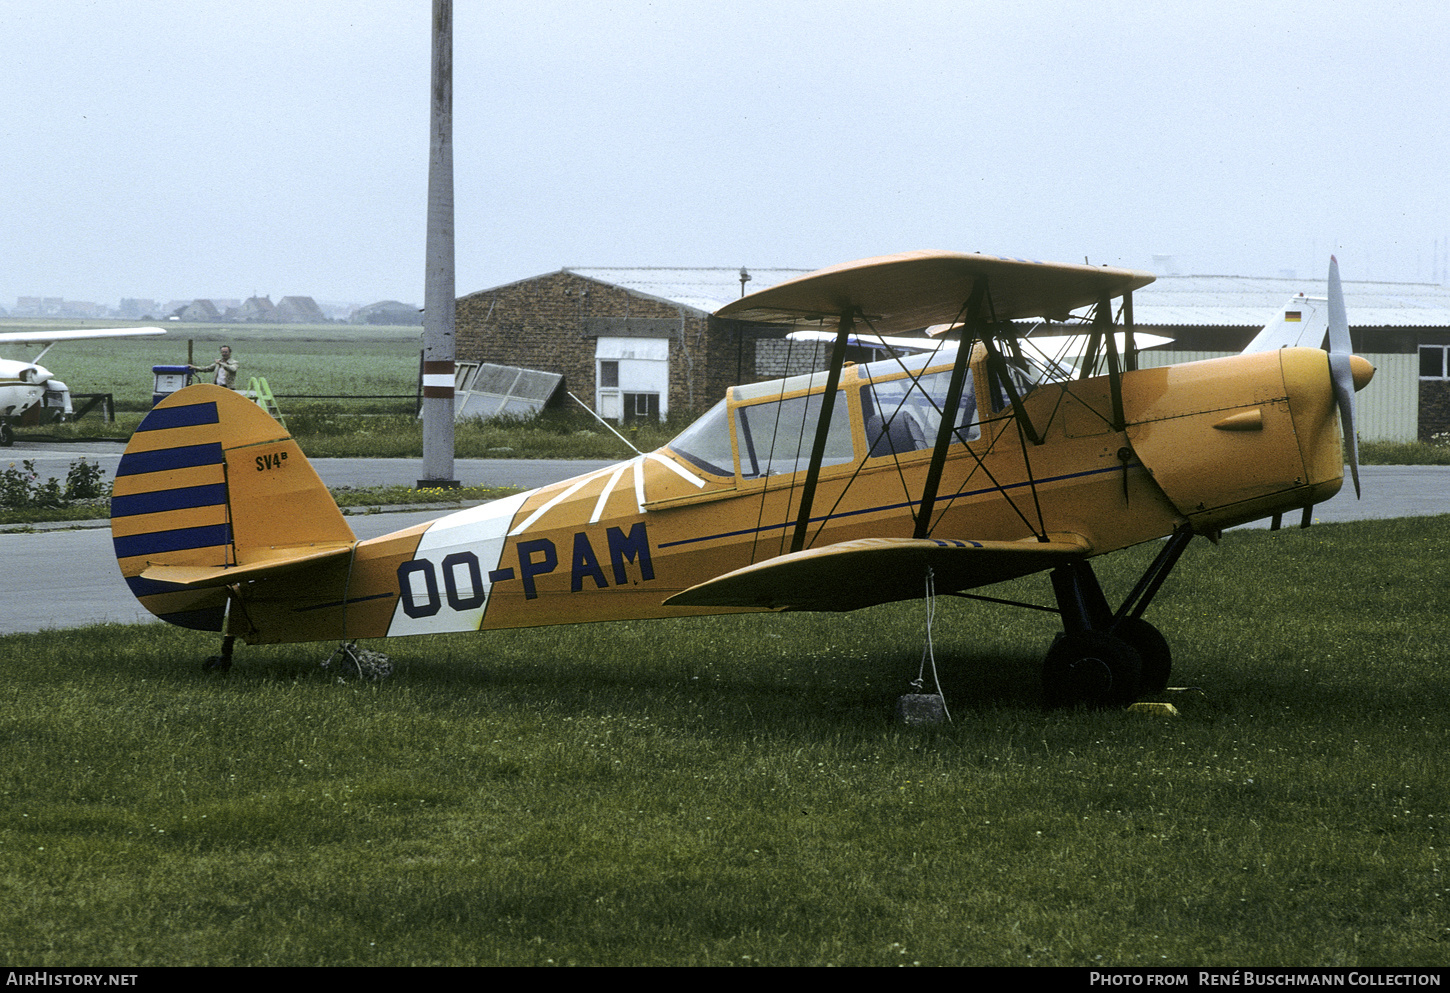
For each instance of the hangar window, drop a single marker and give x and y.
(1433, 363)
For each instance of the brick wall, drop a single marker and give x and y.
(1434, 407)
(552, 323)
(539, 323)
(778, 358)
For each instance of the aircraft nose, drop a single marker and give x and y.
(1363, 371)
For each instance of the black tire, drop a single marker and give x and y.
(1091, 669)
(1152, 649)
(7, 436)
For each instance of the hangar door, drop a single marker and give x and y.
(632, 378)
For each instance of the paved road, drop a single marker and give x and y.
(67, 578)
(53, 459)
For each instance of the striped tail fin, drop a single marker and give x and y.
(211, 491)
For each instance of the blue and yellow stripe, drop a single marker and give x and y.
(169, 507)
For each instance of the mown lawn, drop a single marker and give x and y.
(735, 790)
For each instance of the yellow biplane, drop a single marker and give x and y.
(966, 461)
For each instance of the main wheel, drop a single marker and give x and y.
(7, 435)
(1091, 668)
(1152, 649)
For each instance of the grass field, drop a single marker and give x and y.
(331, 360)
(733, 791)
(323, 359)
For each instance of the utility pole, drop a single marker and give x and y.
(438, 291)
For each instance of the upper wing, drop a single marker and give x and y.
(853, 574)
(36, 337)
(915, 289)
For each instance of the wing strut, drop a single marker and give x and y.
(949, 409)
(1102, 336)
(1003, 381)
(818, 447)
(1103, 321)
(1130, 347)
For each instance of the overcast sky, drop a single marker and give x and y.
(189, 148)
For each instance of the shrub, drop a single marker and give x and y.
(21, 487)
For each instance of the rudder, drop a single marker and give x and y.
(211, 482)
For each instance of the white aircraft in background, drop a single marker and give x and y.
(29, 393)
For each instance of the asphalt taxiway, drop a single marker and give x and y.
(68, 577)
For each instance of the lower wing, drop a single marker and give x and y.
(854, 574)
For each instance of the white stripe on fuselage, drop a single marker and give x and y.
(478, 532)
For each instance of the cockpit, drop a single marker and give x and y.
(885, 409)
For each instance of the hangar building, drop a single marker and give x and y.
(641, 342)
(1403, 328)
(628, 342)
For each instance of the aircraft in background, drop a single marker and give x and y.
(30, 395)
(928, 472)
(1050, 354)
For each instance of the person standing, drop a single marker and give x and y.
(224, 367)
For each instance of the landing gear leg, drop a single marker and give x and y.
(1104, 658)
(1088, 664)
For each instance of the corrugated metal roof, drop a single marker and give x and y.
(1181, 301)
(1248, 301)
(705, 289)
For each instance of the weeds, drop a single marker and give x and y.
(21, 488)
(1436, 451)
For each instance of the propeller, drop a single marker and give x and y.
(1341, 369)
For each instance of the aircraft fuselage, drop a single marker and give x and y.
(1207, 445)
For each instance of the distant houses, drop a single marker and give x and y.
(253, 310)
(289, 310)
(56, 307)
(388, 312)
(200, 312)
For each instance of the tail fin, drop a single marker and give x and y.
(1304, 322)
(209, 492)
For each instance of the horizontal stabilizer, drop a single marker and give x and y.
(204, 577)
(850, 575)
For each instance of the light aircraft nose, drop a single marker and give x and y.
(1363, 371)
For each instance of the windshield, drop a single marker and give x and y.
(706, 443)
